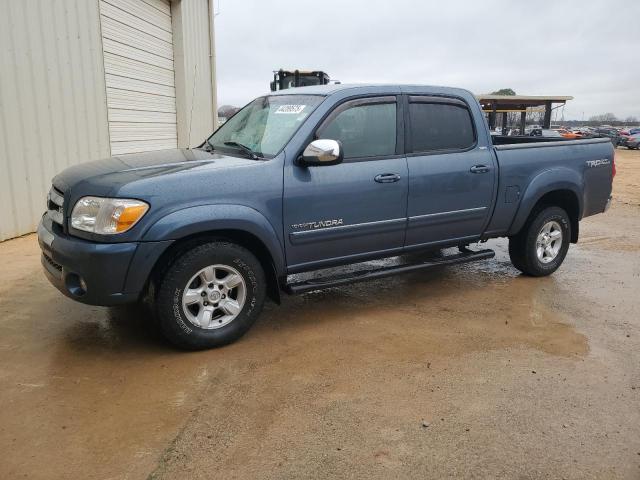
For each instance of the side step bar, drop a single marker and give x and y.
(464, 256)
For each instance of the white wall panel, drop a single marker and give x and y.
(121, 15)
(132, 37)
(138, 70)
(139, 75)
(127, 52)
(120, 148)
(157, 15)
(127, 132)
(117, 115)
(141, 86)
(52, 101)
(195, 98)
(162, 5)
(124, 99)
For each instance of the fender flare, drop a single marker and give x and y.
(560, 178)
(205, 218)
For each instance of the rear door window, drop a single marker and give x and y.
(440, 126)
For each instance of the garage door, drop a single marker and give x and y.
(138, 65)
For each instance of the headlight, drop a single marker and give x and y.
(107, 215)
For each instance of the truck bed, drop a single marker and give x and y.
(516, 139)
(582, 167)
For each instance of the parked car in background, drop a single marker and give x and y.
(633, 142)
(608, 132)
(544, 132)
(623, 138)
(627, 135)
(568, 134)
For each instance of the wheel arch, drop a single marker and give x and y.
(239, 237)
(568, 201)
(238, 224)
(558, 187)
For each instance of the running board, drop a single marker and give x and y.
(325, 282)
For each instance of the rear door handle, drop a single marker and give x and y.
(387, 178)
(479, 169)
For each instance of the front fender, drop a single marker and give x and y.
(206, 218)
(560, 178)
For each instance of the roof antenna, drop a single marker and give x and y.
(193, 96)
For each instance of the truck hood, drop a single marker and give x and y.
(111, 173)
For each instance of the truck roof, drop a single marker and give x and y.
(369, 88)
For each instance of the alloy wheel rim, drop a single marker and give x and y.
(214, 296)
(549, 242)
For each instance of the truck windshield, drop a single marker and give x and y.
(264, 125)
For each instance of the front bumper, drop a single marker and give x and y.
(89, 272)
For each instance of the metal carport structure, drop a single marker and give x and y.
(494, 104)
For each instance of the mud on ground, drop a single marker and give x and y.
(466, 372)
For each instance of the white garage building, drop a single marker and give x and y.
(85, 79)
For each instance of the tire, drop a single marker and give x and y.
(524, 247)
(184, 318)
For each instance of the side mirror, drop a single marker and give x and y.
(322, 152)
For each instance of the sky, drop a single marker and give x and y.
(587, 48)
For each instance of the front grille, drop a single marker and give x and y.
(55, 205)
(50, 261)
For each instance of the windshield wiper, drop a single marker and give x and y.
(253, 155)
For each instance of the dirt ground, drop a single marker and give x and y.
(466, 372)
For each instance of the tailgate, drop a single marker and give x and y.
(598, 180)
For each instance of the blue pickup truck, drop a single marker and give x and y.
(308, 178)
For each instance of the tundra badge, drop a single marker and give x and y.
(319, 224)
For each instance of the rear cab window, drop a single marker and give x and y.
(440, 124)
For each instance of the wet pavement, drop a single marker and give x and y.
(471, 371)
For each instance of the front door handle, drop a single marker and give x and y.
(479, 169)
(387, 178)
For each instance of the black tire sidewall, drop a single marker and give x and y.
(173, 321)
(549, 214)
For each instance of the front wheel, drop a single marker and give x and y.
(542, 244)
(210, 296)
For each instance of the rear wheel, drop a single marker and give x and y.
(542, 244)
(210, 296)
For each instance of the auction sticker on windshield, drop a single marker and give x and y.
(290, 108)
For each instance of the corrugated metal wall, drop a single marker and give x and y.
(52, 101)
